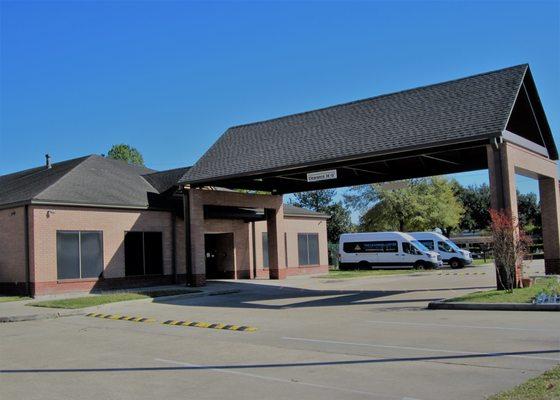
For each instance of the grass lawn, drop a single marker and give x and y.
(337, 274)
(480, 261)
(524, 295)
(89, 301)
(542, 387)
(5, 299)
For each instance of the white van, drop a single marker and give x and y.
(384, 250)
(450, 253)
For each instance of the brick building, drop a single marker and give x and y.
(98, 223)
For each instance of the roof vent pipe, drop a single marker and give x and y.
(48, 161)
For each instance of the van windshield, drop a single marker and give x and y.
(452, 245)
(419, 245)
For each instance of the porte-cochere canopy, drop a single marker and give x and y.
(432, 130)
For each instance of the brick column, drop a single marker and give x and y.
(550, 209)
(196, 252)
(503, 195)
(276, 253)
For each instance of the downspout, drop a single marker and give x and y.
(254, 246)
(187, 222)
(173, 247)
(27, 261)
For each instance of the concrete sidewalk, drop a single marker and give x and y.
(17, 311)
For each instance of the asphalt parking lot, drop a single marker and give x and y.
(316, 339)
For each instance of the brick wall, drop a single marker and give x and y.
(113, 224)
(12, 250)
(293, 226)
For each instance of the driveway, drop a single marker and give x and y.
(316, 339)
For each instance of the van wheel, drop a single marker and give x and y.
(419, 265)
(363, 265)
(455, 263)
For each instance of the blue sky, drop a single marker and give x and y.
(170, 77)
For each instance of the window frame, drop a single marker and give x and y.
(79, 233)
(306, 235)
(144, 254)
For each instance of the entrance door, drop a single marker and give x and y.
(219, 255)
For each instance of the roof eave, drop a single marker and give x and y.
(206, 181)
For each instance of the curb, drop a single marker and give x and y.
(83, 311)
(37, 317)
(443, 305)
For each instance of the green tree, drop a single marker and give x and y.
(476, 203)
(340, 221)
(126, 153)
(529, 212)
(323, 201)
(419, 204)
(316, 200)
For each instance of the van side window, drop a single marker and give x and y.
(371, 247)
(428, 243)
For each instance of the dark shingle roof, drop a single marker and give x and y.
(463, 109)
(91, 180)
(165, 180)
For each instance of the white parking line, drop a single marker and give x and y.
(383, 346)
(462, 326)
(280, 380)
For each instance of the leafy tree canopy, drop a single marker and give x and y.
(126, 153)
(323, 201)
(417, 204)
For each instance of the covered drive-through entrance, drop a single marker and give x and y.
(491, 121)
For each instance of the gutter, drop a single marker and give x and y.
(27, 260)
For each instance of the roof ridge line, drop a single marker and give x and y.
(377, 97)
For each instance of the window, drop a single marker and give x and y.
(428, 243)
(308, 248)
(444, 246)
(143, 253)
(265, 249)
(371, 247)
(410, 249)
(79, 254)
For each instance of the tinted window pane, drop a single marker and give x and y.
(92, 254)
(153, 253)
(313, 243)
(371, 247)
(302, 249)
(133, 254)
(68, 255)
(265, 249)
(428, 243)
(391, 247)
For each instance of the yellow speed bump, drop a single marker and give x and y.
(117, 317)
(211, 325)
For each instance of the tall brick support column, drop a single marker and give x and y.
(194, 220)
(550, 211)
(503, 194)
(276, 259)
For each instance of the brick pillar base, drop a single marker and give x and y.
(552, 266)
(278, 273)
(197, 280)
